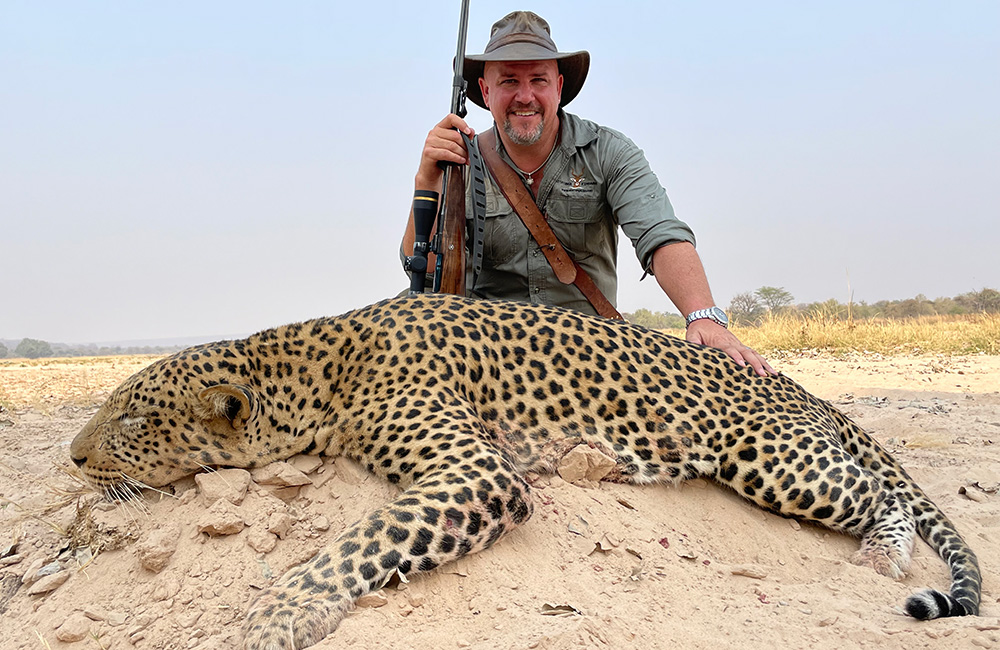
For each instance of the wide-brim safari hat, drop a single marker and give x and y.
(525, 36)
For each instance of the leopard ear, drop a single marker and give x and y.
(230, 401)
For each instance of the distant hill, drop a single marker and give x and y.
(134, 346)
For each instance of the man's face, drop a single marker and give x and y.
(523, 97)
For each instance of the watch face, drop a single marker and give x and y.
(719, 315)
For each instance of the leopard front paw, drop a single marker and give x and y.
(283, 619)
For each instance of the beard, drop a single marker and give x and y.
(521, 137)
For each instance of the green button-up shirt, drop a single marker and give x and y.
(596, 181)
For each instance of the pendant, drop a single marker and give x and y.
(529, 180)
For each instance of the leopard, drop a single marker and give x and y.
(461, 402)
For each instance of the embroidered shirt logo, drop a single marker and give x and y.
(577, 177)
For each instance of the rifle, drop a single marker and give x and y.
(448, 243)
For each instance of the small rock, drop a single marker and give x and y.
(34, 570)
(166, 588)
(321, 523)
(375, 599)
(584, 462)
(95, 613)
(158, 547)
(48, 583)
(285, 494)
(74, 628)
(228, 484)
(749, 571)
(221, 519)
(116, 619)
(281, 474)
(306, 463)
(279, 523)
(260, 540)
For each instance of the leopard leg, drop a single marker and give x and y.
(813, 478)
(446, 514)
(887, 543)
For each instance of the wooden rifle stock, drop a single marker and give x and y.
(452, 229)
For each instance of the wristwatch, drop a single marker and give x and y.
(712, 313)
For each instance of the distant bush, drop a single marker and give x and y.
(656, 320)
(33, 349)
(4, 352)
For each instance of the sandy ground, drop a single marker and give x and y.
(599, 565)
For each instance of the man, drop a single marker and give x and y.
(586, 179)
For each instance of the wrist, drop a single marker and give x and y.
(713, 313)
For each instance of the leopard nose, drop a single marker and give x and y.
(80, 461)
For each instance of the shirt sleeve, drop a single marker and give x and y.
(638, 200)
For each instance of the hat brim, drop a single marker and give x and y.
(573, 66)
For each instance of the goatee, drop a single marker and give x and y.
(524, 139)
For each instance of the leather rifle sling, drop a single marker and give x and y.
(566, 269)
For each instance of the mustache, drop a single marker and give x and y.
(525, 107)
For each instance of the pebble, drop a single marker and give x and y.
(375, 599)
(228, 484)
(48, 583)
(10, 559)
(280, 523)
(260, 540)
(166, 588)
(584, 462)
(306, 463)
(221, 519)
(32, 573)
(749, 571)
(281, 474)
(321, 523)
(74, 628)
(156, 549)
(95, 614)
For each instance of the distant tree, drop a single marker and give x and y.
(745, 309)
(828, 310)
(919, 305)
(656, 320)
(984, 300)
(774, 298)
(4, 352)
(33, 349)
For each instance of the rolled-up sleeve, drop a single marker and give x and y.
(638, 200)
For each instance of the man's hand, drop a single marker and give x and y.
(443, 144)
(708, 332)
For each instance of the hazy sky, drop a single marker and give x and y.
(175, 169)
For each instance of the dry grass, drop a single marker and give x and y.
(81, 381)
(967, 334)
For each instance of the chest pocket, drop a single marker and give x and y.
(504, 233)
(580, 224)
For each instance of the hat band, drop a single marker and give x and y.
(520, 38)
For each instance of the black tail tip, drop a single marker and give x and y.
(931, 603)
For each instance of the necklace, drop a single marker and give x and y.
(528, 175)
